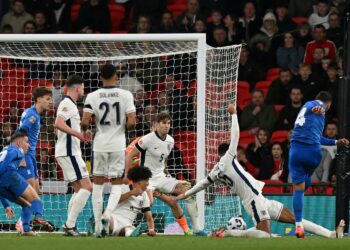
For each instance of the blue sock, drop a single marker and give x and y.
(26, 214)
(37, 208)
(298, 199)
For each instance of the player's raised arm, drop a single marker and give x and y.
(234, 130)
(201, 185)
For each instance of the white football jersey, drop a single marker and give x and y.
(128, 209)
(154, 151)
(110, 106)
(68, 145)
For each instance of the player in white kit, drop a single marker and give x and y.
(155, 148)
(230, 173)
(135, 201)
(68, 152)
(114, 112)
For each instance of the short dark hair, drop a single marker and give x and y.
(139, 173)
(223, 147)
(332, 123)
(108, 71)
(74, 79)
(163, 116)
(324, 96)
(258, 90)
(333, 65)
(18, 134)
(40, 92)
(284, 69)
(320, 26)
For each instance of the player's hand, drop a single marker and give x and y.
(9, 213)
(343, 142)
(137, 191)
(81, 137)
(125, 180)
(256, 110)
(151, 232)
(180, 197)
(318, 110)
(88, 135)
(231, 109)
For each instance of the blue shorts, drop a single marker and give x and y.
(303, 160)
(30, 171)
(12, 185)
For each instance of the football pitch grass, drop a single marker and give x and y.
(163, 242)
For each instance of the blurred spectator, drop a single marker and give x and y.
(139, 99)
(4, 7)
(274, 166)
(332, 85)
(335, 33)
(300, 8)
(307, 83)
(303, 35)
(247, 165)
(164, 102)
(143, 127)
(151, 8)
(16, 17)
(260, 52)
(279, 89)
(94, 17)
(321, 14)
(200, 26)
(248, 70)
(29, 27)
(143, 26)
(33, 6)
(216, 21)
(5, 134)
(284, 23)
(219, 37)
(185, 22)
(60, 15)
(235, 34)
(339, 6)
(318, 67)
(167, 24)
(260, 148)
(289, 113)
(57, 87)
(290, 55)
(225, 6)
(46, 165)
(41, 23)
(7, 29)
(127, 82)
(250, 21)
(257, 114)
(14, 114)
(319, 35)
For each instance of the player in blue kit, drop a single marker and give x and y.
(30, 124)
(305, 151)
(15, 188)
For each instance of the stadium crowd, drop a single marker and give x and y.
(293, 49)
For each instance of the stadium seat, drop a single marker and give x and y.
(279, 136)
(298, 20)
(177, 9)
(117, 15)
(243, 94)
(75, 12)
(192, 89)
(278, 109)
(264, 86)
(273, 72)
(5, 65)
(273, 189)
(245, 138)
(38, 83)
(186, 142)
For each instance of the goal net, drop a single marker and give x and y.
(164, 73)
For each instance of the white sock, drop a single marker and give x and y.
(299, 224)
(97, 204)
(253, 233)
(192, 210)
(71, 202)
(113, 199)
(317, 229)
(77, 206)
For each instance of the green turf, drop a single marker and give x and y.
(51, 242)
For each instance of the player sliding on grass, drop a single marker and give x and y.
(15, 188)
(230, 173)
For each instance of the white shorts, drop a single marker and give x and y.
(118, 224)
(109, 164)
(74, 168)
(163, 184)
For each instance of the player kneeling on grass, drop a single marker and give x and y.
(230, 173)
(134, 200)
(15, 188)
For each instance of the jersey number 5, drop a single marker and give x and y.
(106, 107)
(301, 117)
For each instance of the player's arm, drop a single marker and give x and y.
(331, 142)
(61, 125)
(150, 222)
(131, 121)
(130, 112)
(127, 195)
(8, 210)
(201, 185)
(234, 130)
(85, 121)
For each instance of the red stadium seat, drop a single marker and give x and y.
(186, 141)
(275, 189)
(177, 9)
(243, 94)
(117, 15)
(273, 72)
(192, 89)
(5, 65)
(75, 12)
(279, 136)
(299, 20)
(264, 86)
(245, 138)
(278, 109)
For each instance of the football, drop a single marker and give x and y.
(236, 223)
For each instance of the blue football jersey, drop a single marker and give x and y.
(30, 122)
(10, 158)
(308, 126)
